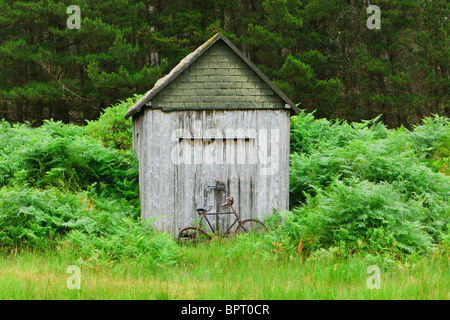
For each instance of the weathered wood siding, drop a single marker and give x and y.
(174, 168)
(219, 95)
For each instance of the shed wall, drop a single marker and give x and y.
(177, 160)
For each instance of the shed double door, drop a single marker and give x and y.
(203, 162)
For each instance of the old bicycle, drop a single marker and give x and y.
(198, 234)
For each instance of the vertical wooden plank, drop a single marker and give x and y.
(158, 167)
(168, 202)
(213, 168)
(222, 125)
(276, 156)
(233, 176)
(203, 198)
(251, 159)
(222, 122)
(166, 170)
(242, 163)
(268, 177)
(146, 151)
(261, 180)
(271, 121)
(155, 170)
(142, 166)
(135, 132)
(282, 148)
(182, 175)
(188, 179)
(178, 190)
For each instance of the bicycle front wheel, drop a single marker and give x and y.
(251, 226)
(193, 234)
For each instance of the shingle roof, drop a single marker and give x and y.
(188, 60)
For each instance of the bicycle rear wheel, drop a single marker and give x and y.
(193, 234)
(251, 226)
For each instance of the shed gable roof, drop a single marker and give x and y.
(186, 63)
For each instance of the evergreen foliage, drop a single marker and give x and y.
(319, 52)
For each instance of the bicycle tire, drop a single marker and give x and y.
(193, 235)
(251, 226)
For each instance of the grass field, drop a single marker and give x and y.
(230, 269)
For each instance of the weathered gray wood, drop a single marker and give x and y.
(172, 191)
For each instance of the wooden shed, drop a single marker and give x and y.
(214, 120)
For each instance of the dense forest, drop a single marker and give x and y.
(321, 53)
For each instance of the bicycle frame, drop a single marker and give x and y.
(198, 233)
(205, 214)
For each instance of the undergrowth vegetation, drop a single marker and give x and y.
(359, 187)
(355, 188)
(65, 186)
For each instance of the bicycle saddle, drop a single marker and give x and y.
(204, 208)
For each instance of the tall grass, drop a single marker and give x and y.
(235, 269)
